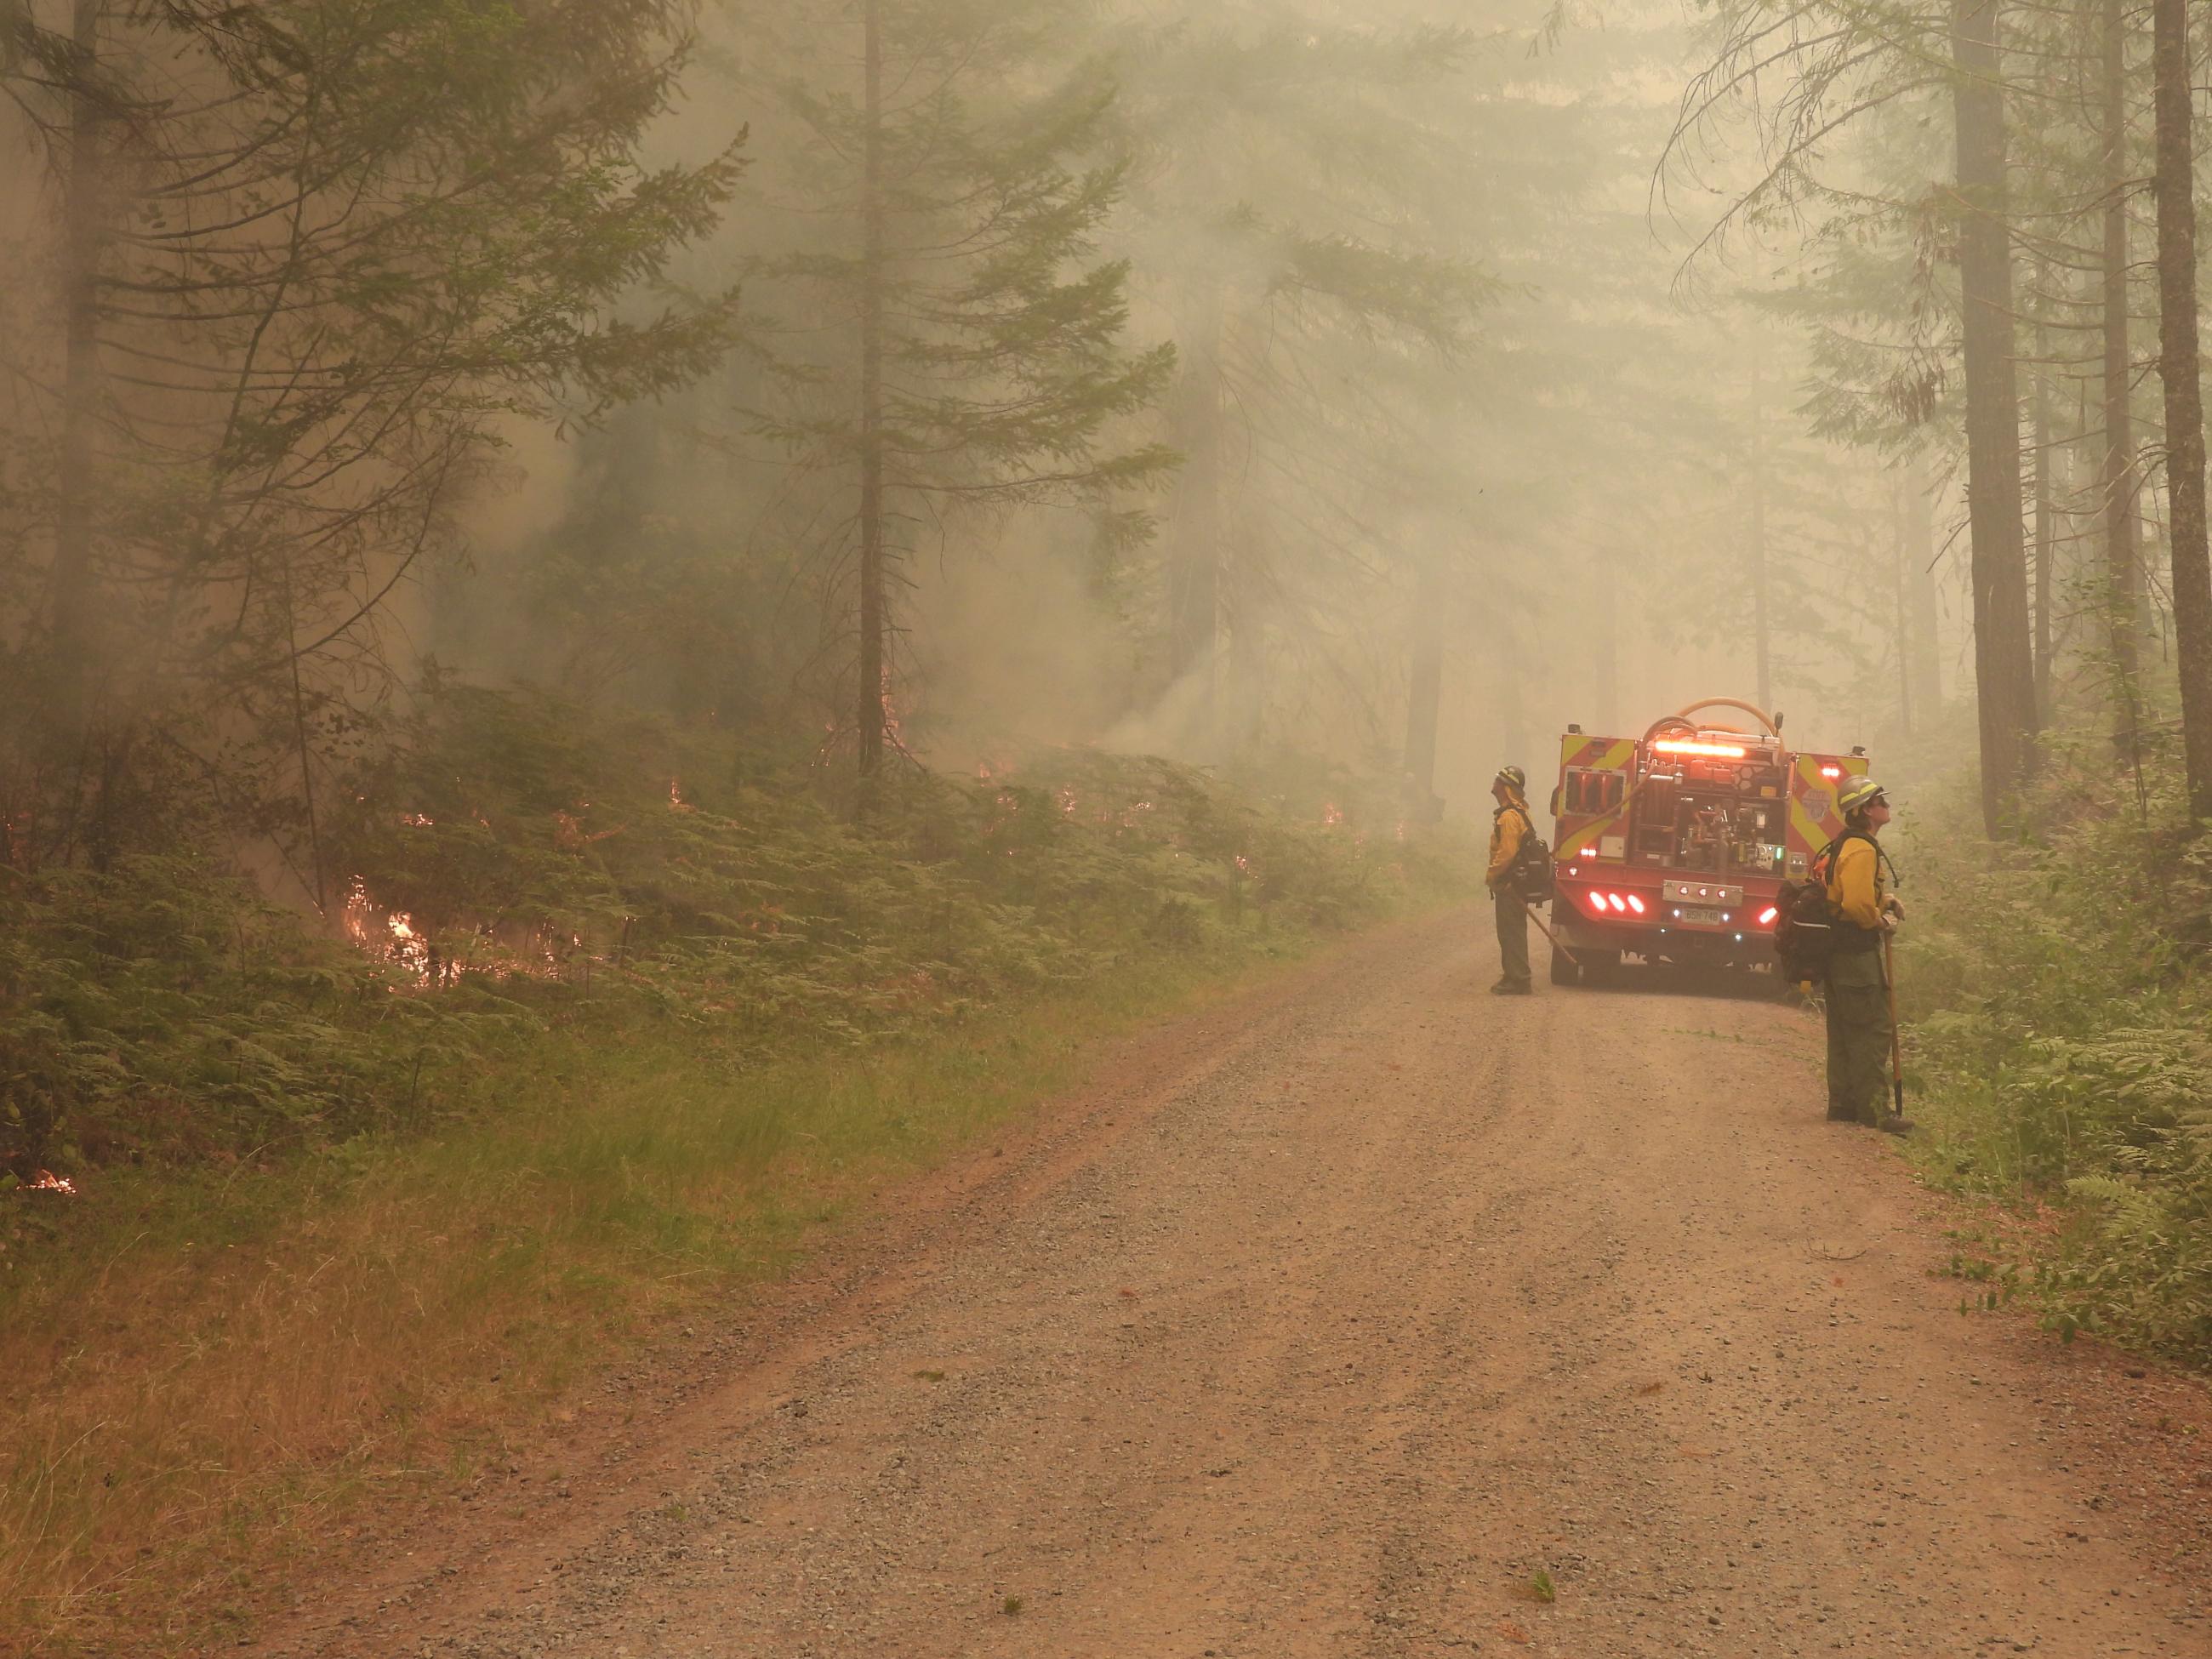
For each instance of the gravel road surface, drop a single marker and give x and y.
(1362, 1315)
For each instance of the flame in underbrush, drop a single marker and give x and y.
(417, 820)
(48, 1181)
(484, 950)
(676, 801)
(391, 936)
(1331, 814)
(893, 735)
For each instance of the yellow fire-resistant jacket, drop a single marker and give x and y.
(1508, 825)
(1857, 885)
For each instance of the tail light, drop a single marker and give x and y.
(1596, 901)
(1617, 903)
(1768, 915)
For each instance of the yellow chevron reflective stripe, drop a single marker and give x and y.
(1613, 757)
(1570, 845)
(1812, 803)
(1596, 754)
(1813, 818)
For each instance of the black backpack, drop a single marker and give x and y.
(1529, 876)
(1804, 925)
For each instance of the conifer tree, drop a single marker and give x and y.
(1853, 67)
(2180, 366)
(307, 258)
(2005, 672)
(951, 166)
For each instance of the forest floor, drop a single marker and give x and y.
(1364, 1315)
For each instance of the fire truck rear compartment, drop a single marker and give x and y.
(1676, 848)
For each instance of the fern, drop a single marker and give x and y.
(557, 867)
(2060, 1038)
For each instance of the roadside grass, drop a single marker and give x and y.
(210, 1368)
(223, 1368)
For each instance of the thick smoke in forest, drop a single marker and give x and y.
(1257, 385)
(624, 621)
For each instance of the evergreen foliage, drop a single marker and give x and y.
(952, 219)
(2060, 1000)
(315, 259)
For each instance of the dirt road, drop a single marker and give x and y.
(1323, 1324)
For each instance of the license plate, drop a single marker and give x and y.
(1712, 918)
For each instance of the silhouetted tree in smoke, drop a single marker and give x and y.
(1849, 63)
(2179, 366)
(952, 182)
(306, 258)
(1300, 217)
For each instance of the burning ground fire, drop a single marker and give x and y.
(392, 937)
(48, 1181)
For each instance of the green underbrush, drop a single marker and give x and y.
(607, 1019)
(2059, 1017)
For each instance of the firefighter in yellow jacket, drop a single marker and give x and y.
(1864, 913)
(1509, 826)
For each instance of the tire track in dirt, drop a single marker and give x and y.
(1319, 1326)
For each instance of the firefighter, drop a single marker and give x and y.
(1864, 913)
(1509, 826)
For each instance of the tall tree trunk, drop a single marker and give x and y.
(1424, 687)
(2173, 186)
(1927, 672)
(1763, 648)
(874, 617)
(2004, 667)
(1508, 673)
(2117, 480)
(1901, 588)
(1243, 583)
(74, 579)
(1605, 599)
(2040, 401)
(1195, 533)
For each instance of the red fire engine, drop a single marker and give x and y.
(1675, 846)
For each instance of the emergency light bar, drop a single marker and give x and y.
(1717, 750)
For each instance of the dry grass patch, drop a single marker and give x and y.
(226, 1369)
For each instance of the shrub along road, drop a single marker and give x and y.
(1363, 1314)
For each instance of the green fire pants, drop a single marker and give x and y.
(1858, 1037)
(1512, 938)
